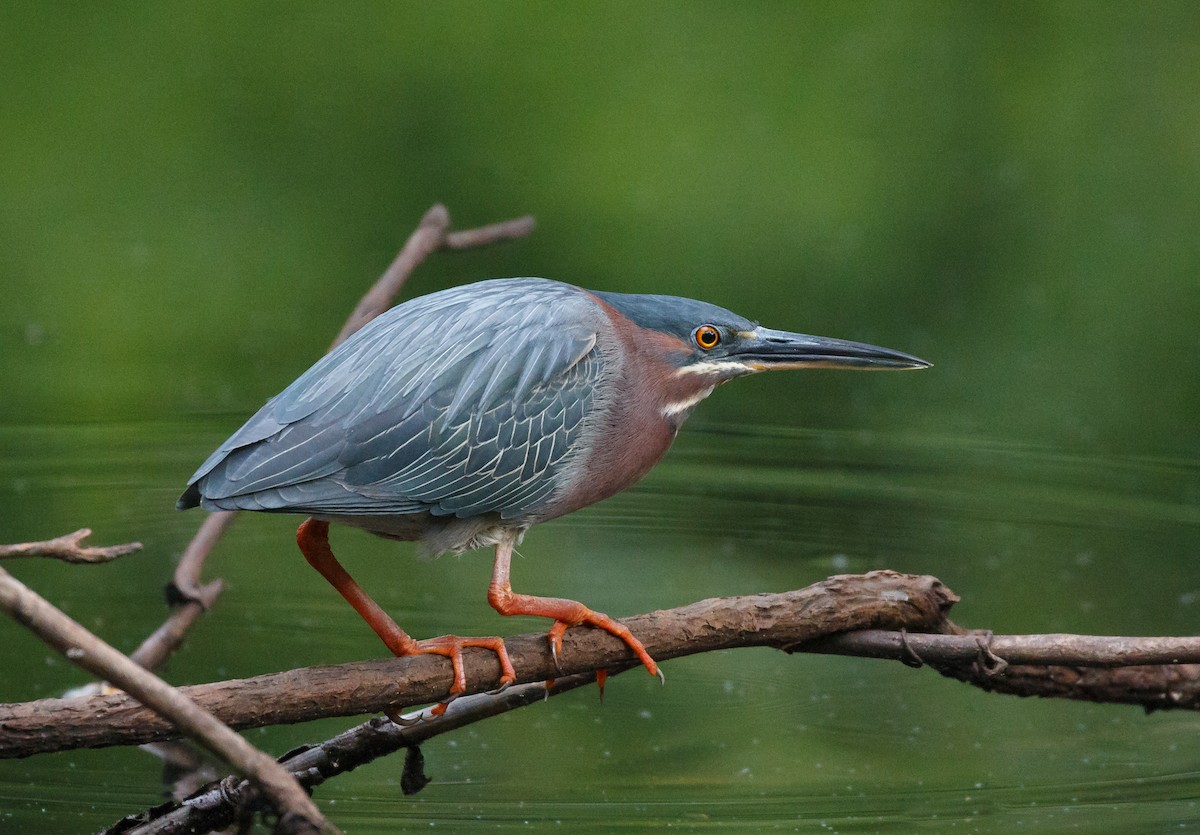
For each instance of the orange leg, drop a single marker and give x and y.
(566, 613)
(313, 539)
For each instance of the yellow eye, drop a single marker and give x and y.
(707, 337)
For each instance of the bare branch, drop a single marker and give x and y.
(216, 805)
(1050, 649)
(69, 548)
(185, 585)
(1152, 673)
(810, 619)
(881, 599)
(431, 234)
(425, 240)
(1151, 687)
(506, 230)
(162, 642)
(972, 656)
(168, 704)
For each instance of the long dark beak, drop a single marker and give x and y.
(764, 349)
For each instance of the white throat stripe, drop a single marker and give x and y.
(713, 367)
(672, 409)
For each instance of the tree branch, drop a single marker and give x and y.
(1152, 673)
(815, 619)
(431, 234)
(218, 804)
(881, 599)
(1050, 649)
(166, 703)
(69, 548)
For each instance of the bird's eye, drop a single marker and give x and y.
(707, 337)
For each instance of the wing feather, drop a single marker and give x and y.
(460, 402)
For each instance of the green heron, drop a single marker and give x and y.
(464, 417)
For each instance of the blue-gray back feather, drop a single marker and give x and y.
(455, 403)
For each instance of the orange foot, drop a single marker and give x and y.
(566, 613)
(313, 539)
(451, 646)
(585, 616)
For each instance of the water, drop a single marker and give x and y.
(192, 198)
(1033, 539)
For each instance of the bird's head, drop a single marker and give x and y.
(712, 345)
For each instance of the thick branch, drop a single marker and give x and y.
(69, 548)
(881, 599)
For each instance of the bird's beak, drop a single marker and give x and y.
(763, 349)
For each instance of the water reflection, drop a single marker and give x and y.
(1034, 539)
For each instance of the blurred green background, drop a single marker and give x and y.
(192, 198)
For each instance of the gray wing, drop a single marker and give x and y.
(458, 402)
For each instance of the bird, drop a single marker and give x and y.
(461, 418)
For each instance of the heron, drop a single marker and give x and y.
(462, 418)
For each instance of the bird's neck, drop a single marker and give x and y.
(647, 399)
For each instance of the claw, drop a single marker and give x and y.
(662, 677)
(398, 719)
(910, 657)
(555, 636)
(440, 708)
(504, 685)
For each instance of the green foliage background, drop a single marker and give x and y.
(188, 191)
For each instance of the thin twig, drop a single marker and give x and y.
(69, 548)
(186, 586)
(424, 241)
(431, 234)
(162, 642)
(89, 652)
(505, 230)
